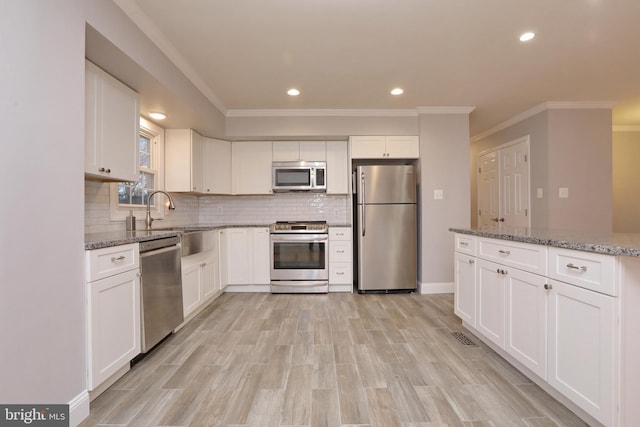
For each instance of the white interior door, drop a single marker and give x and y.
(503, 185)
(488, 190)
(514, 175)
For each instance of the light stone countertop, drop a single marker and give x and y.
(627, 244)
(116, 238)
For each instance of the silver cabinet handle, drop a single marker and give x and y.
(471, 261)
(104, 170)
(340, 252)
(575, 267)
(464, 244)
(501, 271)
(547, 286)
(501, 252)
(119, 259)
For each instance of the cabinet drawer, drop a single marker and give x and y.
(585, 269)
(106, 262)
(340, 233)
(465, 244)
(340, 251)
(340, 273)
(532, 258)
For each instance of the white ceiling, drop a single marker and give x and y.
(348, 54)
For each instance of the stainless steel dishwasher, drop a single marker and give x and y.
(161, 289)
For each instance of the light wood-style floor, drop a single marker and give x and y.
(326, 360)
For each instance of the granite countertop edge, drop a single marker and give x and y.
(116, 238)
(624, 244)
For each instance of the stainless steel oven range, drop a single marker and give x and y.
(299, 257)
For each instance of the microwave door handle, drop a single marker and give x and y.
(362, 207)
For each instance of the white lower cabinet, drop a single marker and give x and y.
(563, 332)
(113, 312)
(526, 319)
(465, 288)
(199, 281)
(582, 348)
(247, 255)
(340, 259)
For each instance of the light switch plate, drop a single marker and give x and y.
(563, 193)
(438, 194)
(539, 193)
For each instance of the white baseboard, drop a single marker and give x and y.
(436, 288)
(79, 409)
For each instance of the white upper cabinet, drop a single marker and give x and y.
(309, 151)
(251, 167)
(337, 167)
(111, 127)
(385, 147)
(184, 161)
(217, 166)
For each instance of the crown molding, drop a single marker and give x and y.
(445, 110)
(551, 105)
(626, 128)
(322, 113)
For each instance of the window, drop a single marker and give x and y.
(132, 194)
(126, 196)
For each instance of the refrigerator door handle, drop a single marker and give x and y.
(363, 203)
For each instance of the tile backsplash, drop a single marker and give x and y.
(335, 209)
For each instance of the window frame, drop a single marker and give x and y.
(119, 213)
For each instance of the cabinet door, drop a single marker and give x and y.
(582, 348)
(114, 325)
(286, 151)
(251, 167)
(223, 263)
(184, 163)
(197, 162)
(465, 288)
(313, 151)
(261, 250)
(191, 287)
(111, 127)
(338, 174)
(402, 147)
(208, 278)
(526, 334)
(217, 166)
(368, 147)
(239, 258)
(491, 301)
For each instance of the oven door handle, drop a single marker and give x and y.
(299, 238)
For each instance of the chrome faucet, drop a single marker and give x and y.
(148, 220)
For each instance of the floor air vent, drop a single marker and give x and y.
(463, 339)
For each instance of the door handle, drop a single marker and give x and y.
(362, 188)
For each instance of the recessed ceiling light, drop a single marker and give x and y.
(397, 91)
(527, 36)
(157, 115)
(293, 92)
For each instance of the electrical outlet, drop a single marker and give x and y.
(539, 193)
(438, 194)
(563, 193)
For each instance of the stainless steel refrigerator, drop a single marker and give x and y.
(386, 223)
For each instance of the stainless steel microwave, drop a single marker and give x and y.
(299, 176)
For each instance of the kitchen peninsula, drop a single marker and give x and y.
(561, 306)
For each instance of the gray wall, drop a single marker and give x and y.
(569, 148)
(444, 164)
(41, 174)
(626, 181)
